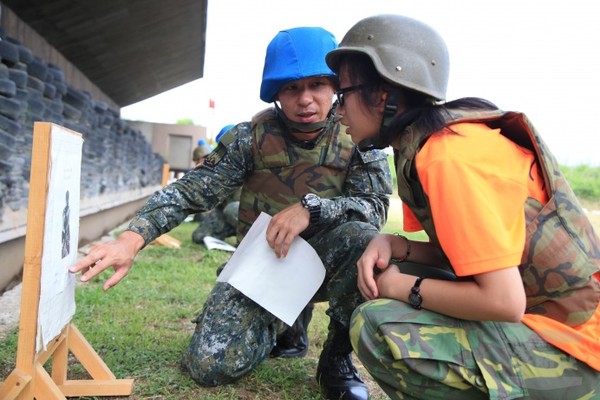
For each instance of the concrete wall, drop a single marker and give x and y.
(163, 138)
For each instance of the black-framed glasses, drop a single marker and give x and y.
(340, 93)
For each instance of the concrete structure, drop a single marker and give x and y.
(112, 53)
(175, 143)
(130, 50)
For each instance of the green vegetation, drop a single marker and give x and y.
(185, 121)
(141, 327)
(585, 182)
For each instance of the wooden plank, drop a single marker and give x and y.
(14, 385)
(30, 295)
(118, 387)
(165, 174)
(60, 359)
(44, 387)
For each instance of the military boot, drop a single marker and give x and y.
(336, 374)
(294, 341)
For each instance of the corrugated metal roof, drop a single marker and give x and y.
(131, 49)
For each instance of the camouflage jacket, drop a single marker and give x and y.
(362, 195)
(561, 252)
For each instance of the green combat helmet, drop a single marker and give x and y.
(418, 60)
(405, 52)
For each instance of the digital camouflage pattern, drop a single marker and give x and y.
(220, 222)
(233, 334)
(562, 251)
(419, 354)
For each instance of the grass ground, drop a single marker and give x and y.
(141, 327)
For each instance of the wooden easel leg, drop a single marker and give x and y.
(14, 385)
(60, 359)
(45, 388)
(104, 382)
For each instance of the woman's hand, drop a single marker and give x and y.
(375, 258)
(118, 253)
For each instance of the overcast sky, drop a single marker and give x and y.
(538, 57)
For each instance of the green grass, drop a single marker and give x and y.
(141, 327)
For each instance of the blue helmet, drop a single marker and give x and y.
(295, 54)
(222, 132)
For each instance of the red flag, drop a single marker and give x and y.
(211, 103)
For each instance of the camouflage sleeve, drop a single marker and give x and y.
(366, 192)
(201, 189)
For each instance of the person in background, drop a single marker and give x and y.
(221, 221)
(521, 317)
(200, 152)
(294, 162)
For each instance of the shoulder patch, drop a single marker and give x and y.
(216, 155)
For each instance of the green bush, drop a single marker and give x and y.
(584, 180)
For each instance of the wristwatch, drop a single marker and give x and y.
(312, 203)
(414, 298)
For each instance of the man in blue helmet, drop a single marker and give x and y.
(296, 163)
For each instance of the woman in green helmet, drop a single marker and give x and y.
(502, 301)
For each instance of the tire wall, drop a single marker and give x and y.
(118, 163)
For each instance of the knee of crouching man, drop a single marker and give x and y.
(206, 371)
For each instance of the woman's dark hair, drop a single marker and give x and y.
(421, 110)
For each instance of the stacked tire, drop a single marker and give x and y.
(115, 157)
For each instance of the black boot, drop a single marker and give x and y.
(336, 374)
(294, 341)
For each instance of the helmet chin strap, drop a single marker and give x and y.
(384, 137)
(305, 127)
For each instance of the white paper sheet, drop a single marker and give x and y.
(283, 286)
(214, 243)
(61, 235)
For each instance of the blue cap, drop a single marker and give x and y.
(222, 131)
(201, 142)
(295, 54)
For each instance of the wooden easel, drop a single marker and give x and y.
(165, 239)
(29, 379)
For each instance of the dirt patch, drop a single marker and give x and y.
(10, 307)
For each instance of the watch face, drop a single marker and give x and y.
(415, 300)
(310, 200)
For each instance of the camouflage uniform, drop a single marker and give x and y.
(219, 223)
(424, 355)
(233, 334)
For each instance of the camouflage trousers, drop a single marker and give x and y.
(219, 223)
(419, 354)
(234, 334)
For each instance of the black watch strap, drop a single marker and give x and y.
(414, 297)
(312, 203)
